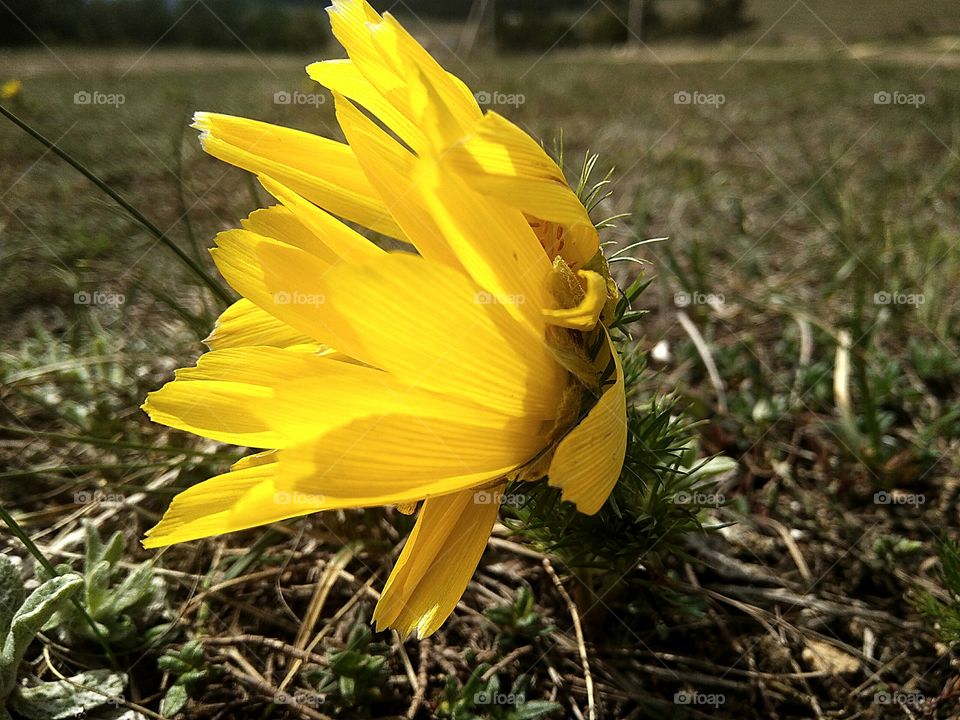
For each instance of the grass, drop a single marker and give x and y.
(793, 208)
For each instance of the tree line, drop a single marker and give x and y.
(275, 25)
(297, 25)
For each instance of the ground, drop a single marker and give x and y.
(809, 196)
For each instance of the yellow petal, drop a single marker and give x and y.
(426, 324)
(288, 398)
(243, 498)
(227, 396)
(437, 562)
(322, 170)
(450, 223)
(346, 244)
(343, 77)
(401, 458)
(586, 314)
(260, 458)
(244, 324)
(290, 295)
(279, 223)
(493, 243)
(404, 74)
(502, 161)
(390, 168)
(588, 460)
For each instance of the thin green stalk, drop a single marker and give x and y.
(112, 444)
(194, 266)
(77, 469)
(48, 566)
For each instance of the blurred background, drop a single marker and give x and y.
(800, 158)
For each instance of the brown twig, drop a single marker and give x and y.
(581, 645)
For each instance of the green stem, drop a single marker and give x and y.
(194, 266)
(52, 571)
(77, 469)
(112, 444)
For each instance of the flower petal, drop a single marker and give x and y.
(502, 161)
(449, 222)
(290, 296)
(405, 75)
(587, 312)
(244, 324)
(343, 77)
(589, 459)
(428, 325)
(243, 498)
(346, 244)
(322, 170)
(436, 563)
(227, 396)
(390, 168)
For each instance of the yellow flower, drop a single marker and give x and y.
(10, 89)
(375, 378)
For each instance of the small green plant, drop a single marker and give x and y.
(945, 615)
(22, 617)
(125, 607)
(355, 674)
(519, 622)
(483, 698)
(661, 496)
(192, 675)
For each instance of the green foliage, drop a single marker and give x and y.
(69, 698)
(21, 619)
(126, 607)
(486, 699)
(893, 549)
(518, 623)
(660, 497)
(92, 384)
(355, 675)
(192, 674)
(945, 615)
